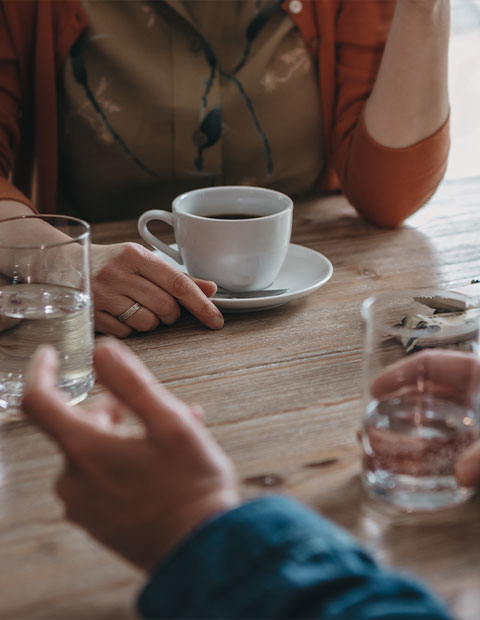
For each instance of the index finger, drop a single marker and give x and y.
(443, 367)
(125, 376)
(182, 287)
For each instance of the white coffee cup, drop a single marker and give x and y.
(238, 254)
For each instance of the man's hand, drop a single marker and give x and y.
(139, 495)
(449, 374)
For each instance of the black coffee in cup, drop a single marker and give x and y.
(232, 216)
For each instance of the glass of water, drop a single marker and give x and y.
(420, 391)
(45, 299)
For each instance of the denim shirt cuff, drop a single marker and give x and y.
(274, 557)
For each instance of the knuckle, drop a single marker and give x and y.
(171, 318)
(149, 323)
(208, 310)
(123, 331)
(181, 285)
(108, 273)
(170, 312)
(169, 305)
(133, 251)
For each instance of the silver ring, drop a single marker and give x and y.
(129, 312)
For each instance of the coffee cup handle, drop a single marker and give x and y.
(164, 216)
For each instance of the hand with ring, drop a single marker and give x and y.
(129, 312)
(134, 289)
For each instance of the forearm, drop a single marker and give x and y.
(409, 101)
(16, 233)
(49, 234)
(13, 208)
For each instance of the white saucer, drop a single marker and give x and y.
(303, 272)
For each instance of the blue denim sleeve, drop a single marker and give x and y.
(275, 558)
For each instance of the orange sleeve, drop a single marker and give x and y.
(10, 112)
(384, 185)
(387, 185)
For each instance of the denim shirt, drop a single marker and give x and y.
(275, 558)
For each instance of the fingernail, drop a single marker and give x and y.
(468, 472)
(105, 341)
(43, 364)
(218, 321)
(45, 351)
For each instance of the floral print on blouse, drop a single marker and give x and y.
(163, 97)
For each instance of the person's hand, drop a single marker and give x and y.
(138, 494)
(467, 468)
(449, 374)
(126, 273)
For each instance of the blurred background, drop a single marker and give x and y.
(464, 77)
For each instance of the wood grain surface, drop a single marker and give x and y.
(282, 393)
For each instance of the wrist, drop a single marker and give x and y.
(162, 537)
(192, 518)
(14, 208)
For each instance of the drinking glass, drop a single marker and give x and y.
(421, 405)
(45, 299)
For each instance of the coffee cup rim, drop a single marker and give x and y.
(207, 190)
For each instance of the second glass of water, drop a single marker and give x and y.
(45, 299)
(420, 386)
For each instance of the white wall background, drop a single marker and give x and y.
(464, 81)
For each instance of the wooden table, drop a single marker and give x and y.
(282, 392)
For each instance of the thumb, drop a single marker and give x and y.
(45, 405)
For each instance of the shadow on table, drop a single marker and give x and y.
(441, 548)
(351, 507)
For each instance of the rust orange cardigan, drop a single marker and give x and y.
(348, 36)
